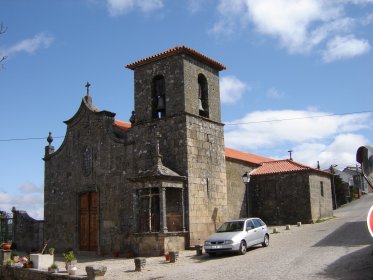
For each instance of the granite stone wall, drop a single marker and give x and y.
(237, 191)
(291, 197)
(281, 198)
(27, 232)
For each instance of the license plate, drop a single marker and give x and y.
(216, 247)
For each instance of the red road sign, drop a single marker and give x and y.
(370, 221)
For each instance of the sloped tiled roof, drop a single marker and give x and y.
(177, 50)
(282, 166)
(250, 158)
(124, 126)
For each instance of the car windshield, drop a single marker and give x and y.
(231, 226)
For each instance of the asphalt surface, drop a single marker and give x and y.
(340, 248)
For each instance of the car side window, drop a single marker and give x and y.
(261, 222)
(256, 223)
(249, 225)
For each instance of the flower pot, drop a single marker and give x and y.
(7, 246)
(71, 269)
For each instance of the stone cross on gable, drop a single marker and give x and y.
(87, 86)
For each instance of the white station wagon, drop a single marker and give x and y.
(237, 236)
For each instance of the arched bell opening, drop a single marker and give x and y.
(158, 97)
(203, 102)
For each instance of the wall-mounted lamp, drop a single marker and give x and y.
(246, 178)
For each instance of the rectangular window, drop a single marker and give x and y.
(322, 188)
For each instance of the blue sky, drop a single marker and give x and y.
(285, 59)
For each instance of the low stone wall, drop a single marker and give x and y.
(17, 273)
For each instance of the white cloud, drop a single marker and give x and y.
(118, 7)
(345, 47)
(300, 26)
(29, 188)
(231, 89)
(341, 150)
(332, 138)
(39, 41)
(29, 198)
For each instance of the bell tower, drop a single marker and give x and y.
(177, 95)
(179, 80)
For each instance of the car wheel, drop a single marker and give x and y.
(243, 248)
(266, 241)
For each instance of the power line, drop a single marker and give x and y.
(301, 118)
(253, 122)
(26, 139)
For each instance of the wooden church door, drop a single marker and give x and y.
(88, 221)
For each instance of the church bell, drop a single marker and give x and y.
(160, 105)
(200, 105)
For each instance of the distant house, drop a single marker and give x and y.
(285, 191)
(357, 180)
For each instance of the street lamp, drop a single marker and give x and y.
(246, 181)
(333, 183)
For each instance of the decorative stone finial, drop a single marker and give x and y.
(50, 138)
(49, 149)
(133, 118)
(318, 165)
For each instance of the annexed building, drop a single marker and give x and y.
(285, 191)
(163, 181)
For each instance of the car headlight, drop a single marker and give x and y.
(228, 241)
(207, 243)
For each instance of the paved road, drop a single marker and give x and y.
(340, 248)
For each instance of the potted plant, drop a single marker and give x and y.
(27, 263)
(53, 268)
(51, 251)
(9, 262)
(70, 260)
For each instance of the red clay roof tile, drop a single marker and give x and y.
(124, 126)
(176, 50)
(251, 158)
(282, 166)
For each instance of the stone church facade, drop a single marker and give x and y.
(163, 182)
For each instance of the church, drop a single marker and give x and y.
(165, 180)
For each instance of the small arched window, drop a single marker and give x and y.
(158, 97)
(203, 101)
